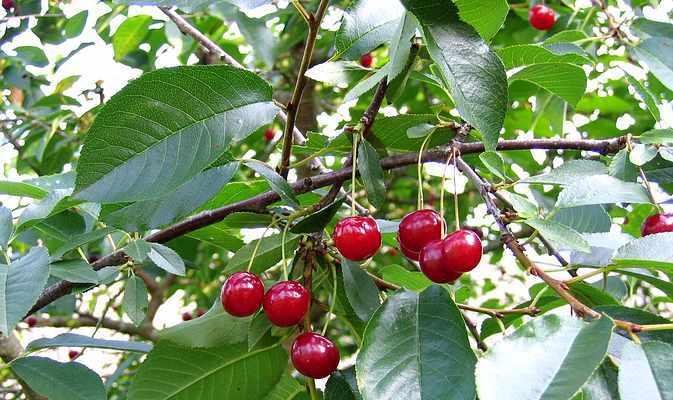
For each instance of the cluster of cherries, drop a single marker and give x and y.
(541, 17)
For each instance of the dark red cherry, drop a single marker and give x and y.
(463, 250)
(435, 265)
(8, 4)
(314, 355)
(186, 316)
(73, 354)
(31, 321)
(367, 60)
(357, 238)
(541, 17)
(269, 134)
(286, 303)
(418, 229)
(658, 223)
(242, 294)
(199, 312)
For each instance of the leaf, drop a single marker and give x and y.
(366, 25)
(471, 71)
(567, 81)
(645, 28)
(221, 235)
(196, 5)
(487, 17)
(342, 385)
(416, 347)
(6, 226)
(175, 372)
(495, 163)
(138, 250)
(80, 240)
(529, 54)
(657, 136)
(421, 130)
(622, 168)
(646, 371)
(664, 286)
(566, 351)
(287, 389)
(361, 291)
(372, 174)
(569, 172)
(278, 183)
(524, 207)
(400, 52)
(559, 234)
(653, 251)
(268, 254)
(259, 327)
(603, 246)
(601, 189)
(75, 271)
(648, 97)
(410, 280)
(585, 219)
(21, 283)
(75, 24)
(317, 221)
(73, 340)
(130, 34)
(22, 189)
(135, 300)
(337, 73)
(641, 317)
(59, 381)
(657, 54)
(197, 107)
(642, 154)
(166, 259)
(603, 383)
(32, 56)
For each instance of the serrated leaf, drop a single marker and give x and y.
(75, 271)
(130, 34)
(495, 163)
(137, 249)
(530, 54)
(268, 254)
(601, 189)
(648, 97)
(135, 300)
(166, 259)
(410, 280)
(80, 240)
(361, 291)
(653, 251)
(585, 219)
(317, 221)
(645, 28)
(32, 55)
(603, 247)
(259, 327)
(337, 73)
(646, 371)
(288, 388)
(371, 174)
(657, 54)
(603, 383)
(559, 234)
(641, 154)
(278, 183)
(6, 226)
(206, 108)
(487, 17)
(73, 340)
(22, 189)
(657, 136)
(569, 172)
(567, 81)
(566, 352)
(342, 385)
(524, 207)
(420, 130)
(622, 168)
(196, 5)
(59, 381)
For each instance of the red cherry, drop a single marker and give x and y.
(269, 134)
(357, 238)
(418, 229)
(658, 223)
(367, 60)
(286, 303)
(541, 17)
(186, 316)
(314, 355)
(242, 294)
(463, 250)
(8, 4)
(73, 354)
(31, 321)
(434, 263)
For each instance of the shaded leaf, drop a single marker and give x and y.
(361, 291)
(135, 300)
(59, 381)
(646, 371)
(371, 174)
(166, 259)
(278, 183)
(73, 340)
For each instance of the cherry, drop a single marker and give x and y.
(73, 354)
(186, 316)
(541, 17)
(286, 303)
(31, 321)
(242, 294)
(8, 4)
(357, 238)
(463, 250)
(367, 60)
(314, 355)
(658, 223)
(199, 312)
(269, 134)
(418, 229)
(435, 265)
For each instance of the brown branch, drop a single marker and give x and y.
(145, 331)
(472, 327)
(259, 202)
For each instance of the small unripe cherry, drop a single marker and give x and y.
(286, 303)
(314, 355)
(658, 223)
(31, 321)
(242, 294)
(269, 134)
(541, 17)
(367, 60)
(357, 238)
(186, 316)
(73, 354)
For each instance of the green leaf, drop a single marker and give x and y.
(259, 327)
(653, 251)
(32, 56)
(559, 234)
(657, 136)
(645, 28)
(6, 226)
(642, 154)
(21, 283)
(75, 24)
(268, 254)
(622, 168)
(175, 372)
(567, 81)
(420, 130)
(278, 183)
(197, 107)
(367, 24)
(664, 286)
(166, 259)
(524, 207)
(471, 71)
(400, 53)
(648, 97)
(371, 174)
(135, 300)
(603, 246)
(222, 235)
(22, 189)
(601, 189)
(361, 291)
(130, 34)
(287, 389)
(59, 381)
(646, 371)
(387, 130)
(566, 351)
(73, 340)
(342, 385)
(337, 73)
(570, 172)
(585, 219)
(410, 280)
(80, 240)
(530, 54)
(641, 317)
(138, 250)
(657, 54)
(317, 221)
(495, 163)
(487, 17)
(416, 347)
(196, 5)
(75, 271)
(603, 383)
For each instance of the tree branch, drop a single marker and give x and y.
(145, 331)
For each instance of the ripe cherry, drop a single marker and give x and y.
(658, 223)
(286, 303)
(186, 316)
(367, 60)
(463, 250)
(8, 4)
(31, 321)
(357, 238)
(242, 294)
(269, 134)
(418, 229)
(435, 265)
(73, 354)
(541, 17)
(314, 355)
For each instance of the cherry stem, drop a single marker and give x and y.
(282, 249)
(259, 241)
(333, 300)
(419, 205)
(455, 191)
(643, 177)
(356, 137)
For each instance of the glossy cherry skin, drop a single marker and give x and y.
(434, 263)
(31, 321)
(367, 60)
(541, 17)
(8, 4)
(269, 134)
(186, 316)
(286, 303)
(418, 229)
(658, 223)
(357, 238)
(73, 354)
(314, 355)
(462, 250)
(242, 294)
